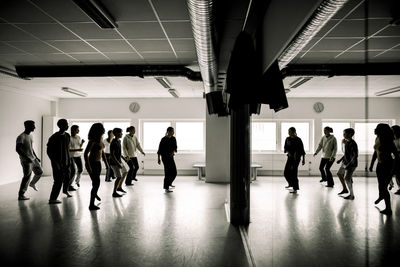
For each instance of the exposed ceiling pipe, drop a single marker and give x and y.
(107, 71)
(319, 18)
(203, 27)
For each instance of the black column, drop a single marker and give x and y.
(240, 166)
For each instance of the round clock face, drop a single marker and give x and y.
(318, 107)
(134, 107)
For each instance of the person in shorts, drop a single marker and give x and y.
(116, 163)
(349, 161)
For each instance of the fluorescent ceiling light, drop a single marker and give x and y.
(173, 92)
(164, 82)
(97, 12)
(299, 81)
(74, 91)
(388, 91)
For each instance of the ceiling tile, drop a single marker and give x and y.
(58, 58)
(21, 11)
(90, 30)
(390, 56)
(378, 43)
(171, 9)
(91, 58)
(124, 57)
(160, 57)
(21, 59)
(127, 10)
(11, 33)
(334, 44)
(138, 30)
(63, 11)
(393, 30)
(354, 57)
(178, 29)
(34, 47)
(151, 45)
(355, 28)
(112, 46)
(72, 46)
(48, 31)
(7, 49)
(183, 45)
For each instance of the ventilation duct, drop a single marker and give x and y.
(321, 16)
(106, 71)
(202, 20)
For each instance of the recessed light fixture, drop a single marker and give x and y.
(388, 91)
(97, 12)
(173, 92)
(74, 91)
(164, 82)
(299, 81)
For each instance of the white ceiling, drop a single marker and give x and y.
(57, 32)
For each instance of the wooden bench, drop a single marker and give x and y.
(201, 166)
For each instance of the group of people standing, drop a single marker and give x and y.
(65, 150)
(386, 151)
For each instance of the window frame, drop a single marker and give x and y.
(173, 124)
(279, 140)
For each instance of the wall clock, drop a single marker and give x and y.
(134, 107)
(318, 107)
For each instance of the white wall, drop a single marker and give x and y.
(154, 108)
(16, 108)
(299, 108)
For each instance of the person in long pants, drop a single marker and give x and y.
(130, 144)
(167, 150)
(295, 151)
(93, 154)
(57, 150)
(384, 149)
(328, 144)
(116, 162)
(349, 162)
(75, 149)
(29, 161)
(107, 143)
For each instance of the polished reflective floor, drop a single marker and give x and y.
(188, 227)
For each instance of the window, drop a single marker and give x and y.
(337, 127)
(190, 135)
(152, 134)
(302, 130)
(263, 136)
(84, 127)
(364, 136)
(110, 125)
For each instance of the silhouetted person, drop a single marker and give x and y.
(29, 161)
(129, 146)
(342, 171)
(93, 154)
(328, 145)
(57, 150)
(107, 143)
(396, 132)
(167, 150)
(384, 149)
(75, 149)
(349, 161)
(116, 163)
(295, 151)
